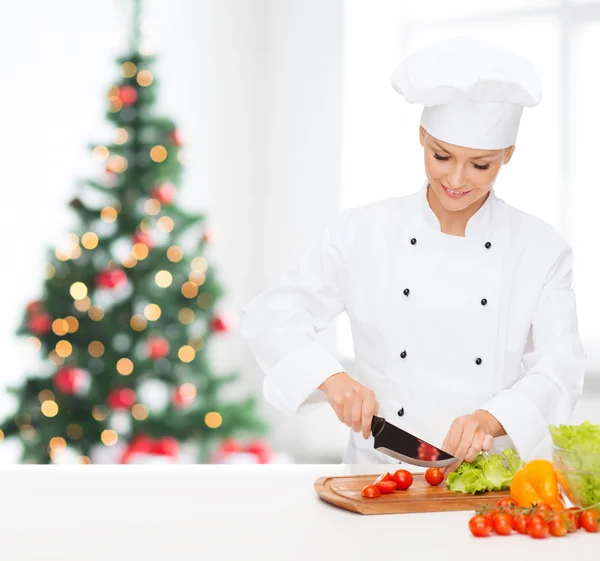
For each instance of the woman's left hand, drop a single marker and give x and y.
(468, 437)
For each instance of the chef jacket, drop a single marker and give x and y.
(442, 325)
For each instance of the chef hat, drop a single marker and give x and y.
(473, 93)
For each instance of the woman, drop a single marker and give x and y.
(461, 308)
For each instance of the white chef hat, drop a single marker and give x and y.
(473, 92)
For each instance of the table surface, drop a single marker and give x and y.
(230, 513)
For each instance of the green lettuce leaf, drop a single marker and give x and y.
(490, 472)
(496, 472)
(514, 461)
(469, 481)
(577, 456)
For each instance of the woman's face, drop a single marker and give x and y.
(460, 176)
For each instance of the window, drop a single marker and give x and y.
(552, 174)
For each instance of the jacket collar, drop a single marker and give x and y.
(478, 226)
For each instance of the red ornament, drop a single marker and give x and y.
(70, 380)
(230, 446)
(167, 446)
(111, 278)
(261, 449)
(175, 137)
(141, 237)
(34, 307)
(128, 95)
(158, 347)
(144, 444)
(164, 193)
(219, 324)
(184, 395)
(40, 324)
(121, 398)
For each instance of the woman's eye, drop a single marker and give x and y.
(438, 157)
(487, 166)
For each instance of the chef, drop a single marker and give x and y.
(462, 313)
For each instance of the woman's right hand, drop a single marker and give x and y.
(353, 403)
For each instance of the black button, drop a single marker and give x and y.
(403, 354)
(484, 302)
(401, 412)
(406, 292)
(478, 361)
(413, 241)
(488, 245)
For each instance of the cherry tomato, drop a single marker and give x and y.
(541, 507)
(403, 479)
(383, 477)
(537, 527)
(573, 514)
(557, 506)
(386, 486)
(434, 476)
(506, 503)
(492, 514)
(589, 520)
(521, 523)
(558, 524)
(371, 492)
(503, 524)
(480, 526)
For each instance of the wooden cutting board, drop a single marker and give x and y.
(345, 492)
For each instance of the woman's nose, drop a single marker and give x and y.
(457, 177)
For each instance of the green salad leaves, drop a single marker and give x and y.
(577, 457)
(488, 472)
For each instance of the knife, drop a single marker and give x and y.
(403, 446)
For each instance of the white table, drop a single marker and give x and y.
(230, 513)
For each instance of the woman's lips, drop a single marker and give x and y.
(453, 194)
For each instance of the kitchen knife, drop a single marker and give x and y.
(403, 446)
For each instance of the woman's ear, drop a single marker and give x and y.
(508, 154)
(422, 133)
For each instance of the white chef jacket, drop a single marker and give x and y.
(442, 325)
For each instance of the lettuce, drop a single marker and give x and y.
(488, 472)
(514, 461)
(577, 456)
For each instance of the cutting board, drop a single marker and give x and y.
(345, 492)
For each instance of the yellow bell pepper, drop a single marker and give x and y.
(536, 483)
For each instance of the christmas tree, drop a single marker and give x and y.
(129, 307)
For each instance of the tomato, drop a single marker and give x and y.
(557, 506)
(386, 486)
(403, 479)
(492, 514)
(371, 492)
(541, 507)
(558, 524)
(574, 514)
(537, 527)
(589, 520)
(480, 526)
(506, 503)
(383, 477)
(434, 476)
(503, 524)
(521, 523)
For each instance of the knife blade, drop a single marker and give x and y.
(404, 446)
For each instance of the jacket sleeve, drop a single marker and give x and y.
(555, 366)
(280, 324)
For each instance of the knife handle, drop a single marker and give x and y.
(377, 425)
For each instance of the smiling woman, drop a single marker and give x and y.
(460, 179)
(443, 287)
